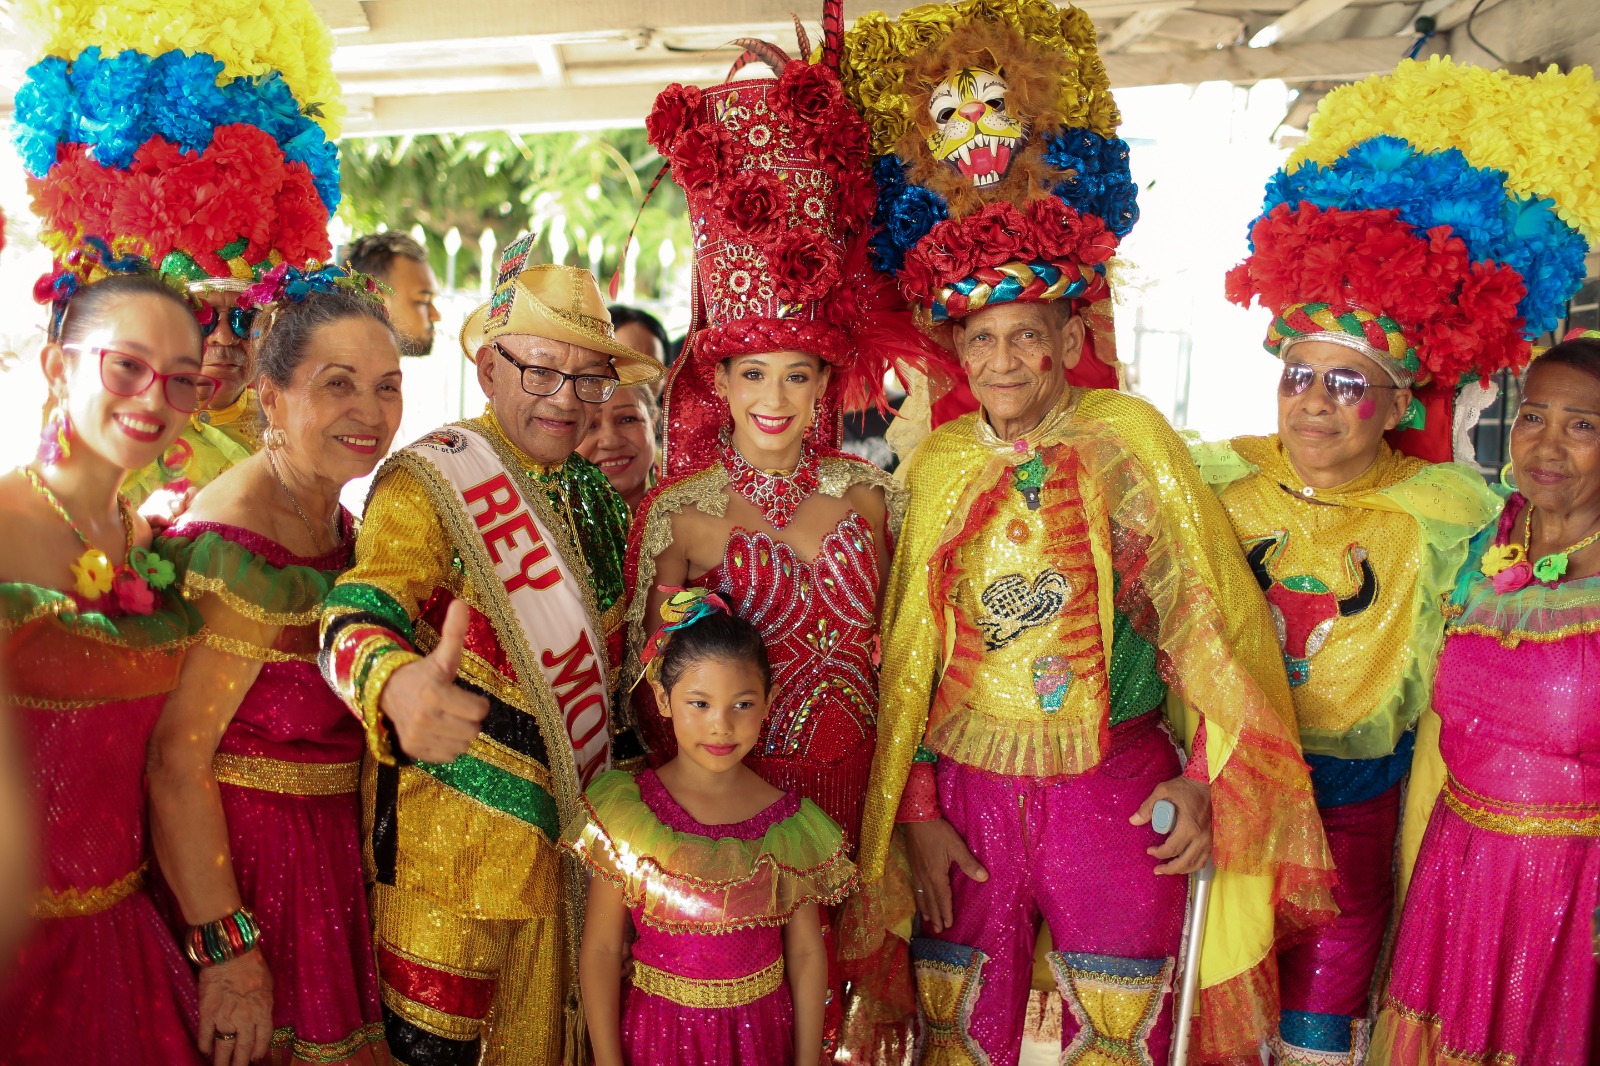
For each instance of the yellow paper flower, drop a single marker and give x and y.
(92, 574)
(1500, 557)
(1543, 131)
(251, 39)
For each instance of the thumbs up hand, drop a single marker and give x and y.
(433, 719)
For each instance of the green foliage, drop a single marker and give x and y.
(585, 183)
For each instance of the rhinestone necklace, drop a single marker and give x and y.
(776, 496)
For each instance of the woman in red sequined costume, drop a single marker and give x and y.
(92, 638)
(255, 764)
(759, 504)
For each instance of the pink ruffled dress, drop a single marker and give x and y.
(1493, 958)
(287, 770)
(709, 903)
(99, 978)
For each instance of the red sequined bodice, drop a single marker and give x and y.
(819, 621)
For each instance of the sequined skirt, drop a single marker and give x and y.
(1492, 961)
(659, 1032)
(298, 862)
(108, 987)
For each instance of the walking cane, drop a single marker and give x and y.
(1162, 820)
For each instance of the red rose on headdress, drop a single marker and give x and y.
(846, 143)
(1060, 234)
(755, 204)
(949, 252)
(997, 233)
(858, 196)
(673, 112)
(810, 92)
(916, 278)
(700, 156)
(804, 265)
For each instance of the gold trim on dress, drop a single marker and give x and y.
(76, 902)
(708, 993)
(289, 778)
(245, 649)
(1511, 818)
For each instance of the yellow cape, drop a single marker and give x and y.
(1273, 867)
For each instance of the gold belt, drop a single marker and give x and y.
(1522, 819)
(708, 992)
(77, 902)
(280, 775)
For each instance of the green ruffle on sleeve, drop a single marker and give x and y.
(690, 883)
(174, 623)
(1219, 465)
(247, 583)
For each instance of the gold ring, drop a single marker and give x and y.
(227, 1036)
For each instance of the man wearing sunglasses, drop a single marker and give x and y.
(227, 428)
(1352, 542)
(473, 636)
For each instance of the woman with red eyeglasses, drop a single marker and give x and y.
(92, 635)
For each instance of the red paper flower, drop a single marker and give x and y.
(804, 264)
(672, 114)
(755, 204)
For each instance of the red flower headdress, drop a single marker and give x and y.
(781, 202)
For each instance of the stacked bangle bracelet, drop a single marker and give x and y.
(224, 939)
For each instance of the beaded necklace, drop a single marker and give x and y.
(129, 586)
(777, 496)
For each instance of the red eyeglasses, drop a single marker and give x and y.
(124, 374)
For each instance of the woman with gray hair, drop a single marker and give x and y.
(254, 764)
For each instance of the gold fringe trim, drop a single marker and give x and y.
(283, 776)
(305, 1051)
(1521, 819)
(76, 903)
(708, 993)
(245, 649)
(194, 586)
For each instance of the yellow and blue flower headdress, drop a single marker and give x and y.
(199, 134)
(1437, 218)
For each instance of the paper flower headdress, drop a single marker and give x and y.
(1437, 218)
(1000, 175)
(198, 134)
(780, 202)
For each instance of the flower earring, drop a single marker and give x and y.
(274, 438)
(55, 440)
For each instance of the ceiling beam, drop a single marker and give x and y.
(1523, 30)
(610, 106)
(1135, 26)
(1297, 20)
(342, 16)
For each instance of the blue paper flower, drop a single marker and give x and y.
(115, 104)
(1433, 189)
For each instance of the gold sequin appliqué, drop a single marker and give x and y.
(708, 993)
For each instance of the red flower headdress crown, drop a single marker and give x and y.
(780, 202)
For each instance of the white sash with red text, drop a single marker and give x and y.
(544, 593)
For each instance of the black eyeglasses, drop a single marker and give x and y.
(125, 374)
(1346, 386)
(546, 381)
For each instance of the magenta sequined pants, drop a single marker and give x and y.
(1325, 980)
(1059, 850)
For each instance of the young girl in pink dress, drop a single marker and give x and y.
(714, 875)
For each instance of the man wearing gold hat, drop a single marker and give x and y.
(486, 719)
